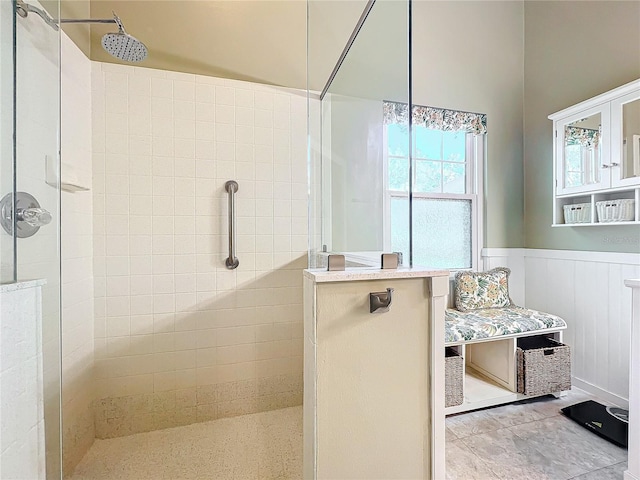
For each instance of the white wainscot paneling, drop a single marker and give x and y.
(633, 472)
(587, 290)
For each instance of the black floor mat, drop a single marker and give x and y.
(606, 422)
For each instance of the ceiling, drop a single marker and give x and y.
(261, 41)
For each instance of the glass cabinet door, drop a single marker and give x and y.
(582, 151)
(625, 140)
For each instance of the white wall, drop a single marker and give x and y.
(179, 337)
(77, 251)
(587, 290)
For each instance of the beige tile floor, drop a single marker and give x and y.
(529, 440)
(526, 440)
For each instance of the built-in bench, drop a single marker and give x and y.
(487, 341)
(489, 323)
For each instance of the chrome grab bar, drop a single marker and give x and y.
(232, 261)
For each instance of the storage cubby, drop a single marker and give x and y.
(490, 371)
(632, 195)
(576, 201)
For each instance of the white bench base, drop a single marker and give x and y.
(490, 372)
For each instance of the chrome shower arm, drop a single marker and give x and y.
(23, 9)
(87, 20)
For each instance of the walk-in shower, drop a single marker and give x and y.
(143, 325)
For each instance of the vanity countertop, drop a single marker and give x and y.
(632, 283)
(352, 274)
(21, 285)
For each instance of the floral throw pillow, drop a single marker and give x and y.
(477, 290)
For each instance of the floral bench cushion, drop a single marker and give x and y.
(494, 322)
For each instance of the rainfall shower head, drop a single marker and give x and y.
(124, 46)
(120, 44)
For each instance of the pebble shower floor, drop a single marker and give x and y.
(529, 440)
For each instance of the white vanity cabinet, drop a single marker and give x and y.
(374, 382)
(597, 160)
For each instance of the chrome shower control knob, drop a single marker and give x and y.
(28, 218)
(36, 217)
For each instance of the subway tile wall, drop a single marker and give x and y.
(180, 338)
(38, 257)
(77, 252)
(22, 440)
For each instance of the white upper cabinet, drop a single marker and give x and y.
(597, 143)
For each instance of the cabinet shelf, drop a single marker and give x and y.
(595, 224)
(596, 192)
(592, 199)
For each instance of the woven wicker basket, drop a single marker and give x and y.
(620, 210)
(577, 213)
(544, 366)
(453, 363)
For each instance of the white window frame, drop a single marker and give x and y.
(474, 169)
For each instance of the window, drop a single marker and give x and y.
(582, 156)
(448, 154)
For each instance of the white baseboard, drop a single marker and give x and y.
(504, 252)
(600, 393)
(629, 476)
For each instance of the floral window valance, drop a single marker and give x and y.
(435, 118)
(587, 137)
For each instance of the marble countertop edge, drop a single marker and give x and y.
(12, 287)
(352, 274)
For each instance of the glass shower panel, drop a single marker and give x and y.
(7, 41)
(37, 147)
(351, 171)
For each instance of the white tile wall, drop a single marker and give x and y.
(37, 118)
(78, 391)
(169, 316)
(22, 439)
